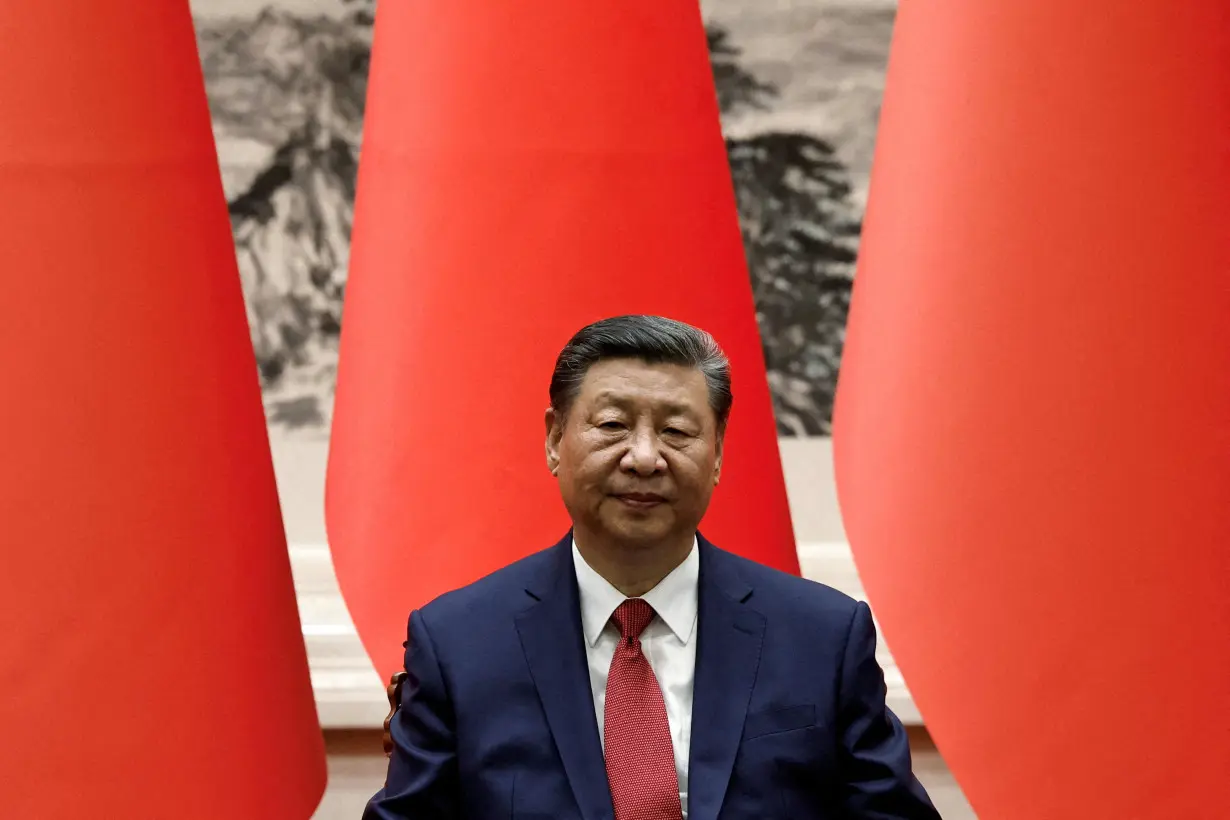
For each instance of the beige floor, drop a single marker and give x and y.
(355, 773)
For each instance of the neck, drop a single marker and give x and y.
(633, 568)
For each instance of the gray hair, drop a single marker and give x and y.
(651, 339)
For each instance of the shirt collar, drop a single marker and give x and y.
(673, 599)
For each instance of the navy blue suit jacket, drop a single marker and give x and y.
(788, 717)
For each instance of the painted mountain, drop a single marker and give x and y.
(286, 91)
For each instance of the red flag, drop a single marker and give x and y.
(527, 168)
(1033, 418)
(151, 661)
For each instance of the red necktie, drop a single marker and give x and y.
(640, 758)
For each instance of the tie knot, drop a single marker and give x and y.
(632, 616)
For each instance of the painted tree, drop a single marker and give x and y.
(800, 234)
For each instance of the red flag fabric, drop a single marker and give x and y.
(1032, 428)
(151, 661)
(527, 168)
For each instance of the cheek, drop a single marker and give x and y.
(586, 467)
(694, 474)
(594, 469)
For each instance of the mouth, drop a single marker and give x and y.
(640, 501)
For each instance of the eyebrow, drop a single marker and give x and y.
(622, 401)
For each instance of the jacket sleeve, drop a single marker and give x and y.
(878, 782)
(422, 778)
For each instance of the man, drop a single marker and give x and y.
(635, 671)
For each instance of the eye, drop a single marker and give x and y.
(610, 425)
(674, 431)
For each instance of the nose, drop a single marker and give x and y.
(643, 456)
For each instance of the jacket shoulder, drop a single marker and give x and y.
(500, 590)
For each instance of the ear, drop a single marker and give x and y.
(717, 463)
(555, 431)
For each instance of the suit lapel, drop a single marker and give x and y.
(727, 657)
(555, 651)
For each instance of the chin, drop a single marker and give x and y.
(641, 531)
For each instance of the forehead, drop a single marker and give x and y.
(633, 380)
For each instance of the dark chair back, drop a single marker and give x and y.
(394, 691)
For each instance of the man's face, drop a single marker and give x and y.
(638, 455)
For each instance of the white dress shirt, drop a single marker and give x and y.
(669, 643)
